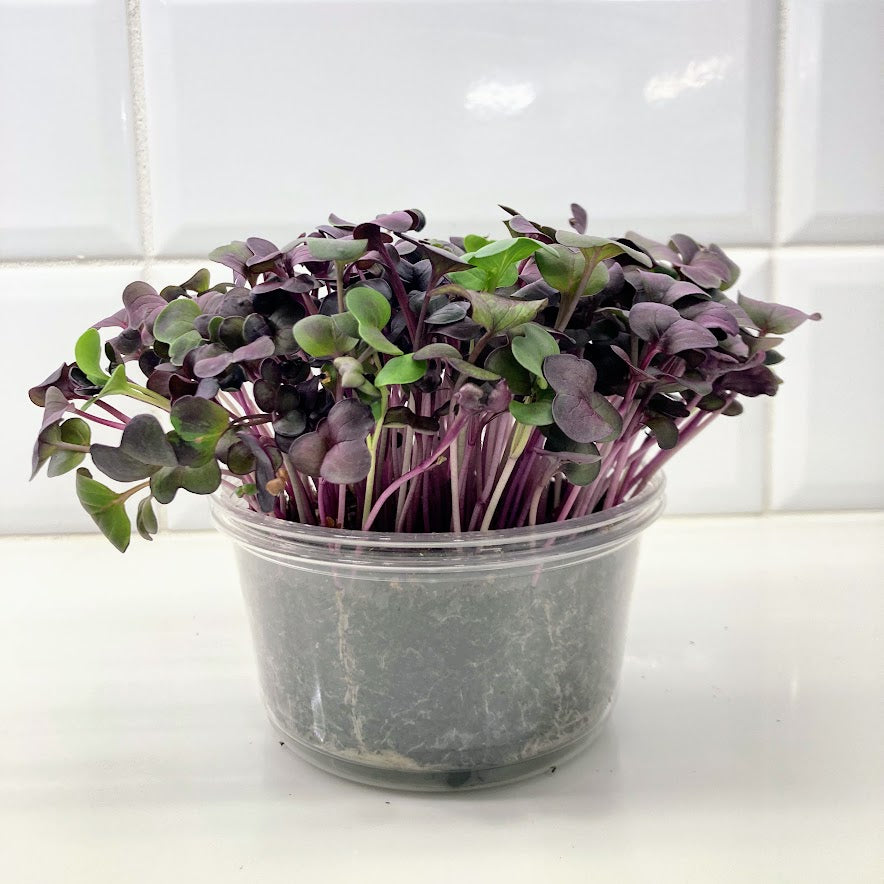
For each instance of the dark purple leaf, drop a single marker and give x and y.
(346, 462)
(756, 381)
(349, 420)
(650, 320)
(711, 314)
(215, 365)
(570, 374)
(686, 335)
(586, 418)
(307, 453)
(578, 218)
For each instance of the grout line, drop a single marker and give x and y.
(61, 263)
(769, 419)
(139, 122)
(778, 128)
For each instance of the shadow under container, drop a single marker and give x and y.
(437, 662)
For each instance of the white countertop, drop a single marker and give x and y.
(745, 746)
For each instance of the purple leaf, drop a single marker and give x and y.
(338, 221)
(55, 405)
(650, 320)
(711, 314)
(686, 335)
(519, 224)
(581, 413)
(578, 218)
(570, 374)
(261, 247)
(215, 365)
(756, 381)
(659, 252)
(586, 418)
(234, 255)
(774, 318)
(347, 462)
(142, 303)
(349, 420)
(115, 320)
(399, 222)
(307, 452)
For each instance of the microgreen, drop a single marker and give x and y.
(365, 378)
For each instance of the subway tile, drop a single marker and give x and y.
(828, 420)
(723, 469)
(266, 116)
(55, 306)
(67, 148)
(833, 128)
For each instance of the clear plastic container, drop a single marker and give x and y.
(439, 662)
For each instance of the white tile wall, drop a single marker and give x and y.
(361, 107)
(829, 427)
(833, 129)
(67, 186)
(48, 308)
(750, 122)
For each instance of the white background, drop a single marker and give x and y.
(138, 136)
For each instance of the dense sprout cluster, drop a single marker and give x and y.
(363, 377)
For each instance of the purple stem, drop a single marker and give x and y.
(100, 420)
(114, 411)
(450, 436)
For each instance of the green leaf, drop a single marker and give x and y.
(372, 312)
(496, 258)
(532, 347)
(497, 314)
(376, 340)
(560, 266)
(504, 363)
(472, 371)
(534, 414)
(475, 279)
(183, 344)
(146, 519)
(369, 306)
(203, 479)
(117, 383)
(245, 490)
(597, 248)
(198, 420)
(199, 282)
(452, 356)
(345, 324)
(437, 351)
(74, 431)
(87, 355)
(175, 319)
(473, 242)
(320, 337)
(665, 431)
(324, 249)
(403, 369)
(581, 473)
(563, 269)
(106, 507)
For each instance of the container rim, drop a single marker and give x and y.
(233, 516)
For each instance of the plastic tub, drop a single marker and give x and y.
(442, 661)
